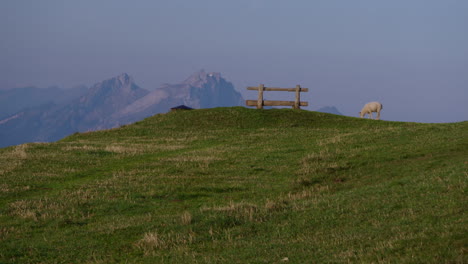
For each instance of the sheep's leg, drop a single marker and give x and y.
(370, 115)
(378, 115)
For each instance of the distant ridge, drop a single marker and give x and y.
(329, 110)
(17, 99)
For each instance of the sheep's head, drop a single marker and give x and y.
(361, 114)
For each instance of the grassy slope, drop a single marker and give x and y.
(236, 185)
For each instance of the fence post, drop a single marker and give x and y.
(297, 104)
(260, 96)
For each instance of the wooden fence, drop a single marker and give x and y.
(259, 103)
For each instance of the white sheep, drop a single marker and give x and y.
(371, 107)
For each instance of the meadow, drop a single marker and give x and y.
(237, 185)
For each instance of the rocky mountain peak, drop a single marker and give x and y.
(111, 95)
(118, 82)
(201, 77)
(124, 79)
(122, 83)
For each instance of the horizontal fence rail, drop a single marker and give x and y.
(274, 103)
(296, 104)
(279, 89)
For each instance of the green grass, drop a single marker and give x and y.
(237, 185)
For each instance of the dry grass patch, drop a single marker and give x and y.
(66, 205)
(6, 232)
(7, 166)
(192, 159)
(47, 174)
(186, 218)
(81, 195)
(322, 163)
(125, 149)
(202, 160)
(36, 209)
(339, 138)
(239, 211)
(6, 188)
(20, 151)
(80, 147)
(277, 205)
(13, 158)
(124, 179)
(304, 194)
(153, 241)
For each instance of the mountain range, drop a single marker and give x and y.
(107, 104)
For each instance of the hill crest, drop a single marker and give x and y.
(238, 184)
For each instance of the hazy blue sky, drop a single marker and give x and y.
(412, 55)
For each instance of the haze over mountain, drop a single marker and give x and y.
(114, 102)
(14, 100)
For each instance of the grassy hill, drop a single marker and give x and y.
(237, 185)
